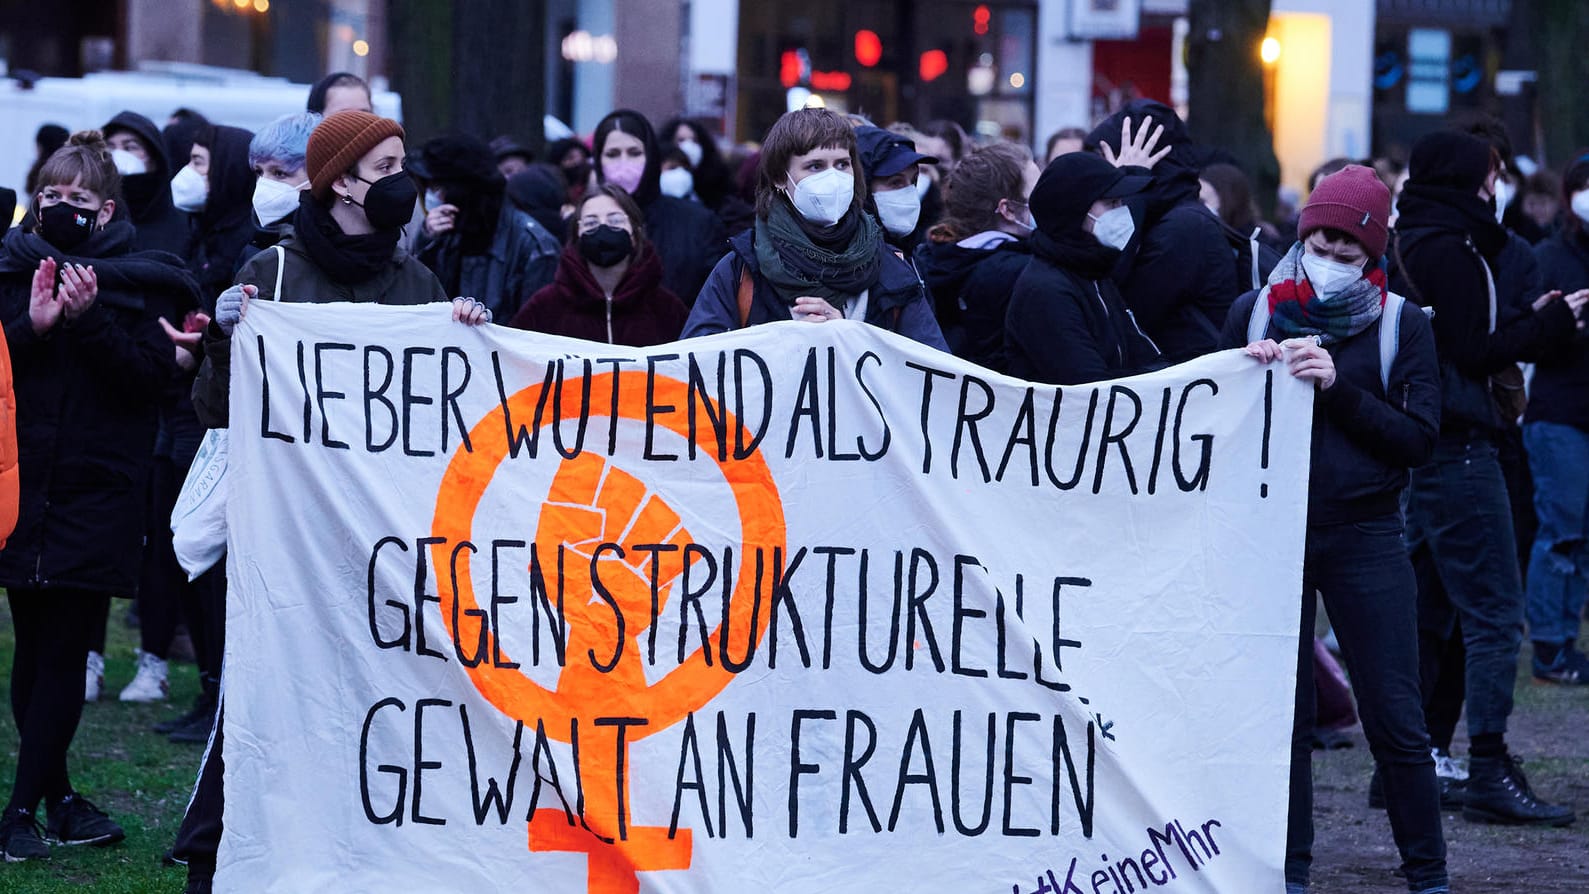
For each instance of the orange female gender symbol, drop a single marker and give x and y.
(593, 502)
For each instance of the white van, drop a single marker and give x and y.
(223, 95)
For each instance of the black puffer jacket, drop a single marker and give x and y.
(1363, 441)
(1561, 380)
(971, 289)
(1178, 274)
(86, 412)
(161, 227)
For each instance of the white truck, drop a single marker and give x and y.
(156, 89)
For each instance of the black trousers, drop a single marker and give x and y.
(53, 633)
(162, 582)
(1363, 574)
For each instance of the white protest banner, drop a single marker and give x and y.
(798, 608)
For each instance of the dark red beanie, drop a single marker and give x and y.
(1353, 200)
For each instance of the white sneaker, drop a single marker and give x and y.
(1447, 767)
(149, 684)
(95, 678)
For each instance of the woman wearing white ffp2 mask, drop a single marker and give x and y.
(813, 254)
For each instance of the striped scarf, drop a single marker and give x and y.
(1296, 312)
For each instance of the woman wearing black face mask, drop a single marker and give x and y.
(344, 247)
(609, 281)
(80, 309)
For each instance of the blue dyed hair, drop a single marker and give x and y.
(284, 141)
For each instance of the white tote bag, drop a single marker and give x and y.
(198, 522)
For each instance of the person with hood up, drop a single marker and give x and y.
(1066, 322)
(1556, 429)
(1446, 240)
(974, 256)
(609, 281)
(478, 244)
(140, 154)
(80, 308)
(710, 177)
(344, 246)
(1324, 312)
(216, 189)
(814, 255)
(1179, 275)
(688, 236)
(892, 167)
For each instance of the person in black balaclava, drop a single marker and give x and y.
(217, 189)
(1444, 248)
(477, 244)
(541, 192)
(1066, 323)
(140, 155)
(1178, 276)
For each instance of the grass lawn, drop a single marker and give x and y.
(135, 775)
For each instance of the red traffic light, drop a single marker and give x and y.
(868, 48)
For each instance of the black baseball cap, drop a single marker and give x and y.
(885, 153)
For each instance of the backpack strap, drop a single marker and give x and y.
(747, 290)
(1252, 245)
(1258, 323)
(1389, 337)
(281, 264)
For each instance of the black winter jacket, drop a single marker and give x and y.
(1180, 280)
(1439, 266)
(1064, 329)
(689, 238)
(226, 224)
(971, 290)
(1560, 392)
(1363, 441)
(87, 394)
(522, 260)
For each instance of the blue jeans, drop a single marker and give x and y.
(1558, 567)
(1457, 509)
(1366, 579)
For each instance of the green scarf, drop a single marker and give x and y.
(796, 265)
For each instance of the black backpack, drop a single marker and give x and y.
(1254, 259)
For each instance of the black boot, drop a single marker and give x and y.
(1498, 793)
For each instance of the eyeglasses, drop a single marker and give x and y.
(616, 219)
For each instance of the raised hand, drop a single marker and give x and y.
(187, 345)
(80, 287)
(1137, 149)
(45, 304)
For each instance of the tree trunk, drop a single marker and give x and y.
(1225, 97)
(476, 67)
(1560, 26)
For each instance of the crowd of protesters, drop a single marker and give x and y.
(1448, 504)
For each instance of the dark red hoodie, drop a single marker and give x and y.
(640, 314)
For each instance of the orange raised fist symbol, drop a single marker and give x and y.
(593, 505)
